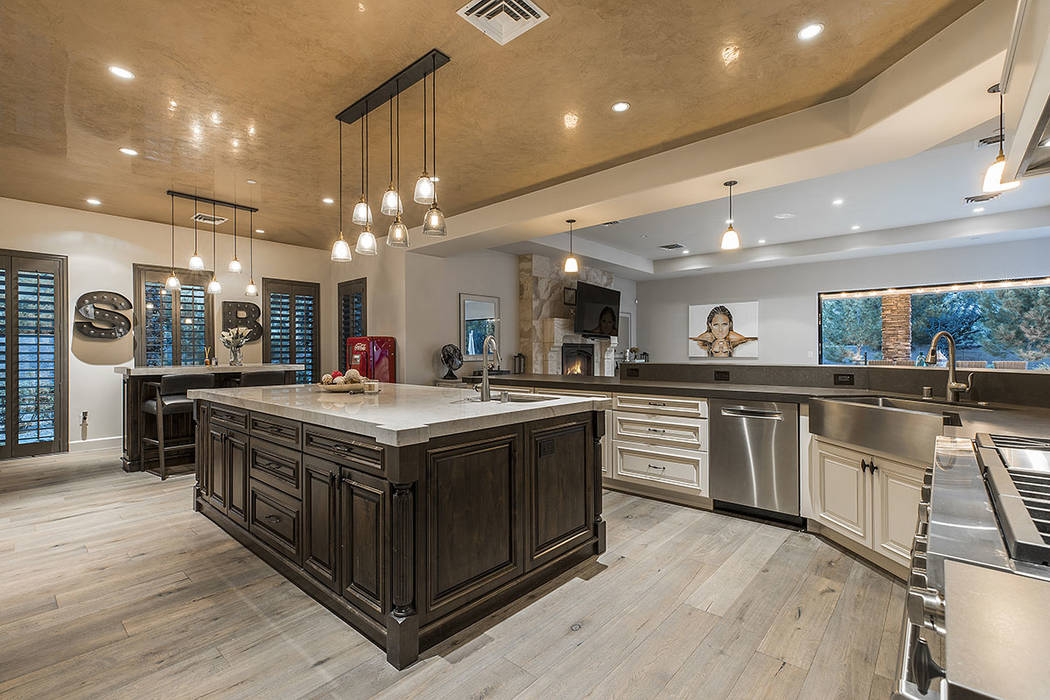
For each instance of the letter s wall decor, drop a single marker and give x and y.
(113, 325)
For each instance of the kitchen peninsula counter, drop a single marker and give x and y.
(411, 513)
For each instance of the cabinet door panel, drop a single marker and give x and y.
(320, 521)
(897, 491)
(364, 517)
(842, 491)
(237, 467)
(216, 466)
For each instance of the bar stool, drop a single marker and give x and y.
(268, 378)
(169, 398)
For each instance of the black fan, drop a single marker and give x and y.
(452, 358)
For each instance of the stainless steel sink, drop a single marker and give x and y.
(921, 405)
(514, 397)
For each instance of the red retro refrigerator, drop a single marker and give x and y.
(373, 356)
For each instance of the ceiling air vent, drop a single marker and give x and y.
(208, 219)
(672, 246)
(502, 20)
(973, 199)
(993, 140)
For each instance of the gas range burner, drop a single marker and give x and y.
(1017, 470)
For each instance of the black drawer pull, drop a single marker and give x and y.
(274, 518)
(657, 403)
(274, 428)
(656, 430)
(657, 466)
(274, 465)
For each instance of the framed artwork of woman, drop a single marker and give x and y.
(723, 330)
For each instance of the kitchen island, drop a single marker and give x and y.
(411, 513)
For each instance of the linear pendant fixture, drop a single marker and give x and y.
(572, 265)
(993, 177)
(341, 249)
(213, 286)
(172, 283)
(251, 290)
(434, 219)
(397, 234)
(730, 239)
(235, 264)
(196, 261)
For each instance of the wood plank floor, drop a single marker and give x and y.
(114, 587)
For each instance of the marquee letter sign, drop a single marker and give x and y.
(242, 313)
(115, 325)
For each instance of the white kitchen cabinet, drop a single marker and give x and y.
(662, 405)
(683, 433)
(678, 470)
(896, 496)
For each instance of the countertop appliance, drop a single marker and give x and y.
(984, 520)
(754, 457)
(373, 356)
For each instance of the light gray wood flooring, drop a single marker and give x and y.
(113, 587)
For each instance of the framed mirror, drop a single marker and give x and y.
(478, 317)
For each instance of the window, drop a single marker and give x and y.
(176, 328)
(33, 346)
(1001, 323)
(290, 311)
(352, 314)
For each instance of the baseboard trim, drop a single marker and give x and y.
(104, 443)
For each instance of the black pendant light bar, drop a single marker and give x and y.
(397, 84)
(209, 200)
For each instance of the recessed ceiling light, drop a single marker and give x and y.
(172, 104)
(855, 227)
(761, 241)
(236, 143)
(259, 230)
(571, 120)
(250, 181)
(784, 215)
(621, 106)
(196, 129)
(251, 130)
(360, 7)
(328, 200)
(121, 72)
(216, 118)
(810, 31)
(129, 151)
(730, 54)
(978, 210)
(93, 202)
(838, 202)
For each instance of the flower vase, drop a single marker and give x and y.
(235, 357)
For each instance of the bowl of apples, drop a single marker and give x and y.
(350, 383)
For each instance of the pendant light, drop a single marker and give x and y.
(993, 177)
(730, 239)
(362, 215)
(434, 219)
(172, 283)
(572, 265)
(391, 203)
(424, 192)
(235, 264)
(397, 234)
(213, 286)
(196, 261)
(341, 249)
(251, 290)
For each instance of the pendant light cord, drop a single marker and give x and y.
(235, 233)
(397, 171)
(433, 123)
(173, 234)
(213, 239)
(340, 180)
(362, 156)
(365, 177)
(730, 205)
(424, 123)
(391, 110)
(251, 246)
(1002, 132)
(194, 224)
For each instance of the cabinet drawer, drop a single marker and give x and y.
(679, 470)
(279, 430)
(232, 417)
(343, 448)
(274, 519)
(662, 405)
(683, 433)
(276, 466)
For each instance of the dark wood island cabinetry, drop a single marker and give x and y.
(408, 543)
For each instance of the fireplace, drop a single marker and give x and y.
(577, 358)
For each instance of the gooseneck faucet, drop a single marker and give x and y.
(955, 387)
(486, 394)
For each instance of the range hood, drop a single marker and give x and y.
(1026, 84)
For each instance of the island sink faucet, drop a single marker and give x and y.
(486, 393)
(955, 387)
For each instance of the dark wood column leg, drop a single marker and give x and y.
(402, 624)
(599, 522)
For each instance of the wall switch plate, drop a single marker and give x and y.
(843, 380)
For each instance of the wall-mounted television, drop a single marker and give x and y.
(597, 310)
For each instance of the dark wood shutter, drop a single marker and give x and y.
(172, 329)
(290, 319)
(353, 314)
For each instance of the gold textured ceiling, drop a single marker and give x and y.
(286, 68)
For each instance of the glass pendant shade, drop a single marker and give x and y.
(214, 287)
(172, 283)
(572, 265)
(730, 239)
(366, 242)
(993, 177)
(434, 222)
(362, 213)
(397, 234)
(234, 266)
(196, 262)
(251, 290)
(391, 205)
(341, 250)
(424, 192)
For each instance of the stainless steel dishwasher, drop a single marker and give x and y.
(754, 455)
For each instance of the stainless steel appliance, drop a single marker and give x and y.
(754, 455)
(983, 506)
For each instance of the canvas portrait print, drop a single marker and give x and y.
(724, 330)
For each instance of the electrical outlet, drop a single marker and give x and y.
(83, 416)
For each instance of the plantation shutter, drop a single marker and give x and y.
(352, 315)
(290, 311)
(172, 328)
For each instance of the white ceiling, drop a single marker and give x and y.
(921, 189)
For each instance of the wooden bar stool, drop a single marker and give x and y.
(169, 398)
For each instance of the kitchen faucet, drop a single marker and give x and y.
(486, 394)
(955, 387)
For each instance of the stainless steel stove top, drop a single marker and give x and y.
(1017, 471)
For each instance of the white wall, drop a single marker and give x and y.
(788, 295)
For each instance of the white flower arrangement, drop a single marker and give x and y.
(235, 337)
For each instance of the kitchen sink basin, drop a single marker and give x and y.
(514, 397)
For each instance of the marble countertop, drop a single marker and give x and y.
(400, 414)
(197, 369)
